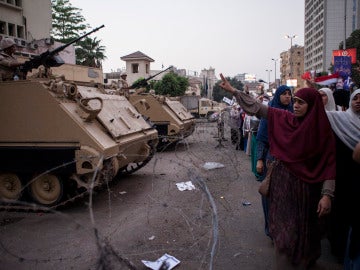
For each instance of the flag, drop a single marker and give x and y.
(327, 80)
(306, 76)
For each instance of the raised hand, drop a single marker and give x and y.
(226, 85)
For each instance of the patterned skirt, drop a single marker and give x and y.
(293, 221)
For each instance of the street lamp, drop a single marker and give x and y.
(268, 71)
(291, 64)
(275, 60)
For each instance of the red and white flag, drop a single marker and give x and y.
(327, 80)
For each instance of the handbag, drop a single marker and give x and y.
(265, 184)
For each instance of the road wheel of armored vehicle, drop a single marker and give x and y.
(46, 189)
(10, 186)
(133, 167)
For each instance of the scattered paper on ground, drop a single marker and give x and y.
(212, 165)
(185, 186)
(169, 260)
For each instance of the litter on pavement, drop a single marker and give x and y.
(185, 186)
(212, 165)
(246, 203)
(166, 261)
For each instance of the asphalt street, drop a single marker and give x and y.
(216, 222)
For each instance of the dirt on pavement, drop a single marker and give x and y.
(217, 225)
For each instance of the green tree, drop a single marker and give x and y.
(219, 93)
(68, 24)
(171, 84)
(354, 42)
(67, 21)
(89, 52)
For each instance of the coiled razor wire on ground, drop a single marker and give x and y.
(215, 221)
(108, 257)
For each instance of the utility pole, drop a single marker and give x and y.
(290, 58)
(268, 71)
(345, 6)
(275, 60)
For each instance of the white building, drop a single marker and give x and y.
(29, 23)
(25, 21)
(325, 28)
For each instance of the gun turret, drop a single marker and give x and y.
(143, 82)
(50, 58)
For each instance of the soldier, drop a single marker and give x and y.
(8, 62)
(123, 85)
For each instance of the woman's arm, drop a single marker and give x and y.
(262, 150)
(246, 102)
(328, 189)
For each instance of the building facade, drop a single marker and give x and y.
(209, 80)
(292, 66)
(137, 66)
(29, 24)
(21, 20)
(326, 25)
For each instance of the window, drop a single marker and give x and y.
(11, 29)
(20, 31)
(135, 68)
(205, 103)
(147, 68)
(2, 28)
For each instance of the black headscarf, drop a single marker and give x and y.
(262, 134)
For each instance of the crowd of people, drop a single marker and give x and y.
(311, 140)
(313, 147)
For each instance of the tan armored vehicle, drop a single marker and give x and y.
(171, 119)
(57, 139)
(60, 139)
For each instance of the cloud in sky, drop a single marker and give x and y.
(232, 36)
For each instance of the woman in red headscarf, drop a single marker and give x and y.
(303, 178)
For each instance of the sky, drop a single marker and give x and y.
(231, 36)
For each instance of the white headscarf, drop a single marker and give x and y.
(330, 106)
(346, 124)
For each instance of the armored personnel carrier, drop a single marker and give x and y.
(60, 139)
(171, 119)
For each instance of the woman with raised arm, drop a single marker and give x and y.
(303, 178)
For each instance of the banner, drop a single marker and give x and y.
(348, 52)
(228, 101)
(342, 65)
